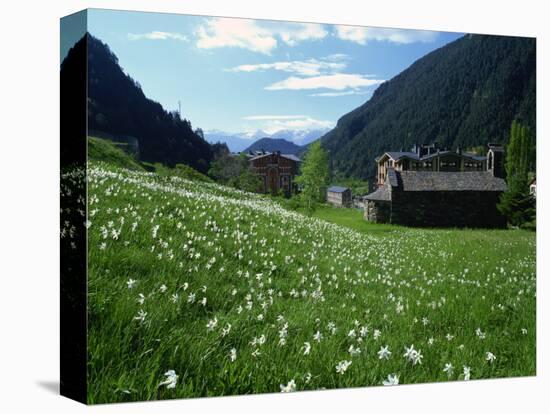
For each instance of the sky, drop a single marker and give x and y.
(239, 75)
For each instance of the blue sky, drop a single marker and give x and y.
(240, 74)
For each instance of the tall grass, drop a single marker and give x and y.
(159, 246)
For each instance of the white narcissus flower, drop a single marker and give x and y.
(171, 379)
(342, 367)
(467, 373)
(141, 316)
(130, 283)
(306, 348)
(226, 329)
(413, 355)
(212, 323)
(448, 369)
(490, 357)
(318, 336)
(384, 352)
(392, 379)
(141, 298)
(290, 387)
(353, 351)
(233, 354)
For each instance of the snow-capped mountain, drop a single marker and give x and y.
(239, 141)
(300, 136)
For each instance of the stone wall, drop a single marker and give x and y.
(377, 211)
(447, 209)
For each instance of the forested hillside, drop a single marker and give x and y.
(464, 94)
(118, 106)
(273, 145)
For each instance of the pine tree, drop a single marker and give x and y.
(314, 176)
(516, 203)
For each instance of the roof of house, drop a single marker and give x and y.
(397, 155)
(449, 181)
(437, 181)
(381, 194)
(288, 156)
(337, 189)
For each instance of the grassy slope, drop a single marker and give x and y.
(103, 150)
(253, 261)
(352, 218)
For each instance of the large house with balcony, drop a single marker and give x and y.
(428, 158)
(431, 187)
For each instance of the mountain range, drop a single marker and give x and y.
(238, 142)
(465, 94)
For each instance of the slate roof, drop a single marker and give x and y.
(291, 157)
(436, 181)
(381, 194)
(449, 181)
(337, 189)
(400, 154)
(475, 156)
(396, 155)
(288, 156)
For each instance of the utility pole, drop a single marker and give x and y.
(179, 108)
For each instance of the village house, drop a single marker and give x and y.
(339, 196)
(439, 195)
(428, 158)
(276, 171)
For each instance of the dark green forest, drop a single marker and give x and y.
(464, 94)
(273, 145)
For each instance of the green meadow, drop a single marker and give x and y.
(196, 289)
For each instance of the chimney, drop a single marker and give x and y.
(495, 160)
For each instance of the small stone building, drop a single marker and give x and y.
(339, 196)
(440, 199)
(276, 172)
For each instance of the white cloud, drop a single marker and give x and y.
(243, 33)
(156, 35)
(337, 81)
(310, 67)
(293, 33)
(276, 123)
(362, 35)
(257, 36)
